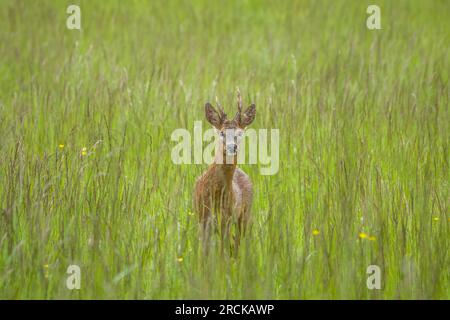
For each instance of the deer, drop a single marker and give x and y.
(224, 192)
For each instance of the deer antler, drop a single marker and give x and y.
(239, 104)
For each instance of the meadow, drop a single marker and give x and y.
(86, 176)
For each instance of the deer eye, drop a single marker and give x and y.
(222, 134)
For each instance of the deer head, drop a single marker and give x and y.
(230, 131)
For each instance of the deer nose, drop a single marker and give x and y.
(232, 148)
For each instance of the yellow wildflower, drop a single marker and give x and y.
(363, 235)
(84, 151)
(436, 218)
(315, 232)
(372, 238)
(180, 259)
(61, 146)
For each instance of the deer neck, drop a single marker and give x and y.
(225, 167)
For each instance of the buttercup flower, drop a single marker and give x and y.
(363, 235)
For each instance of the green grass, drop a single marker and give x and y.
(364, 147)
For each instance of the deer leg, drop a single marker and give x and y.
(205, 226)
(241, 227)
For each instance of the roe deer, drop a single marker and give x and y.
(223, 191)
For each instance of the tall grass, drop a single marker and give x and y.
(364, 148)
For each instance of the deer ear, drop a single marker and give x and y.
(213, 116)
(248, 116)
